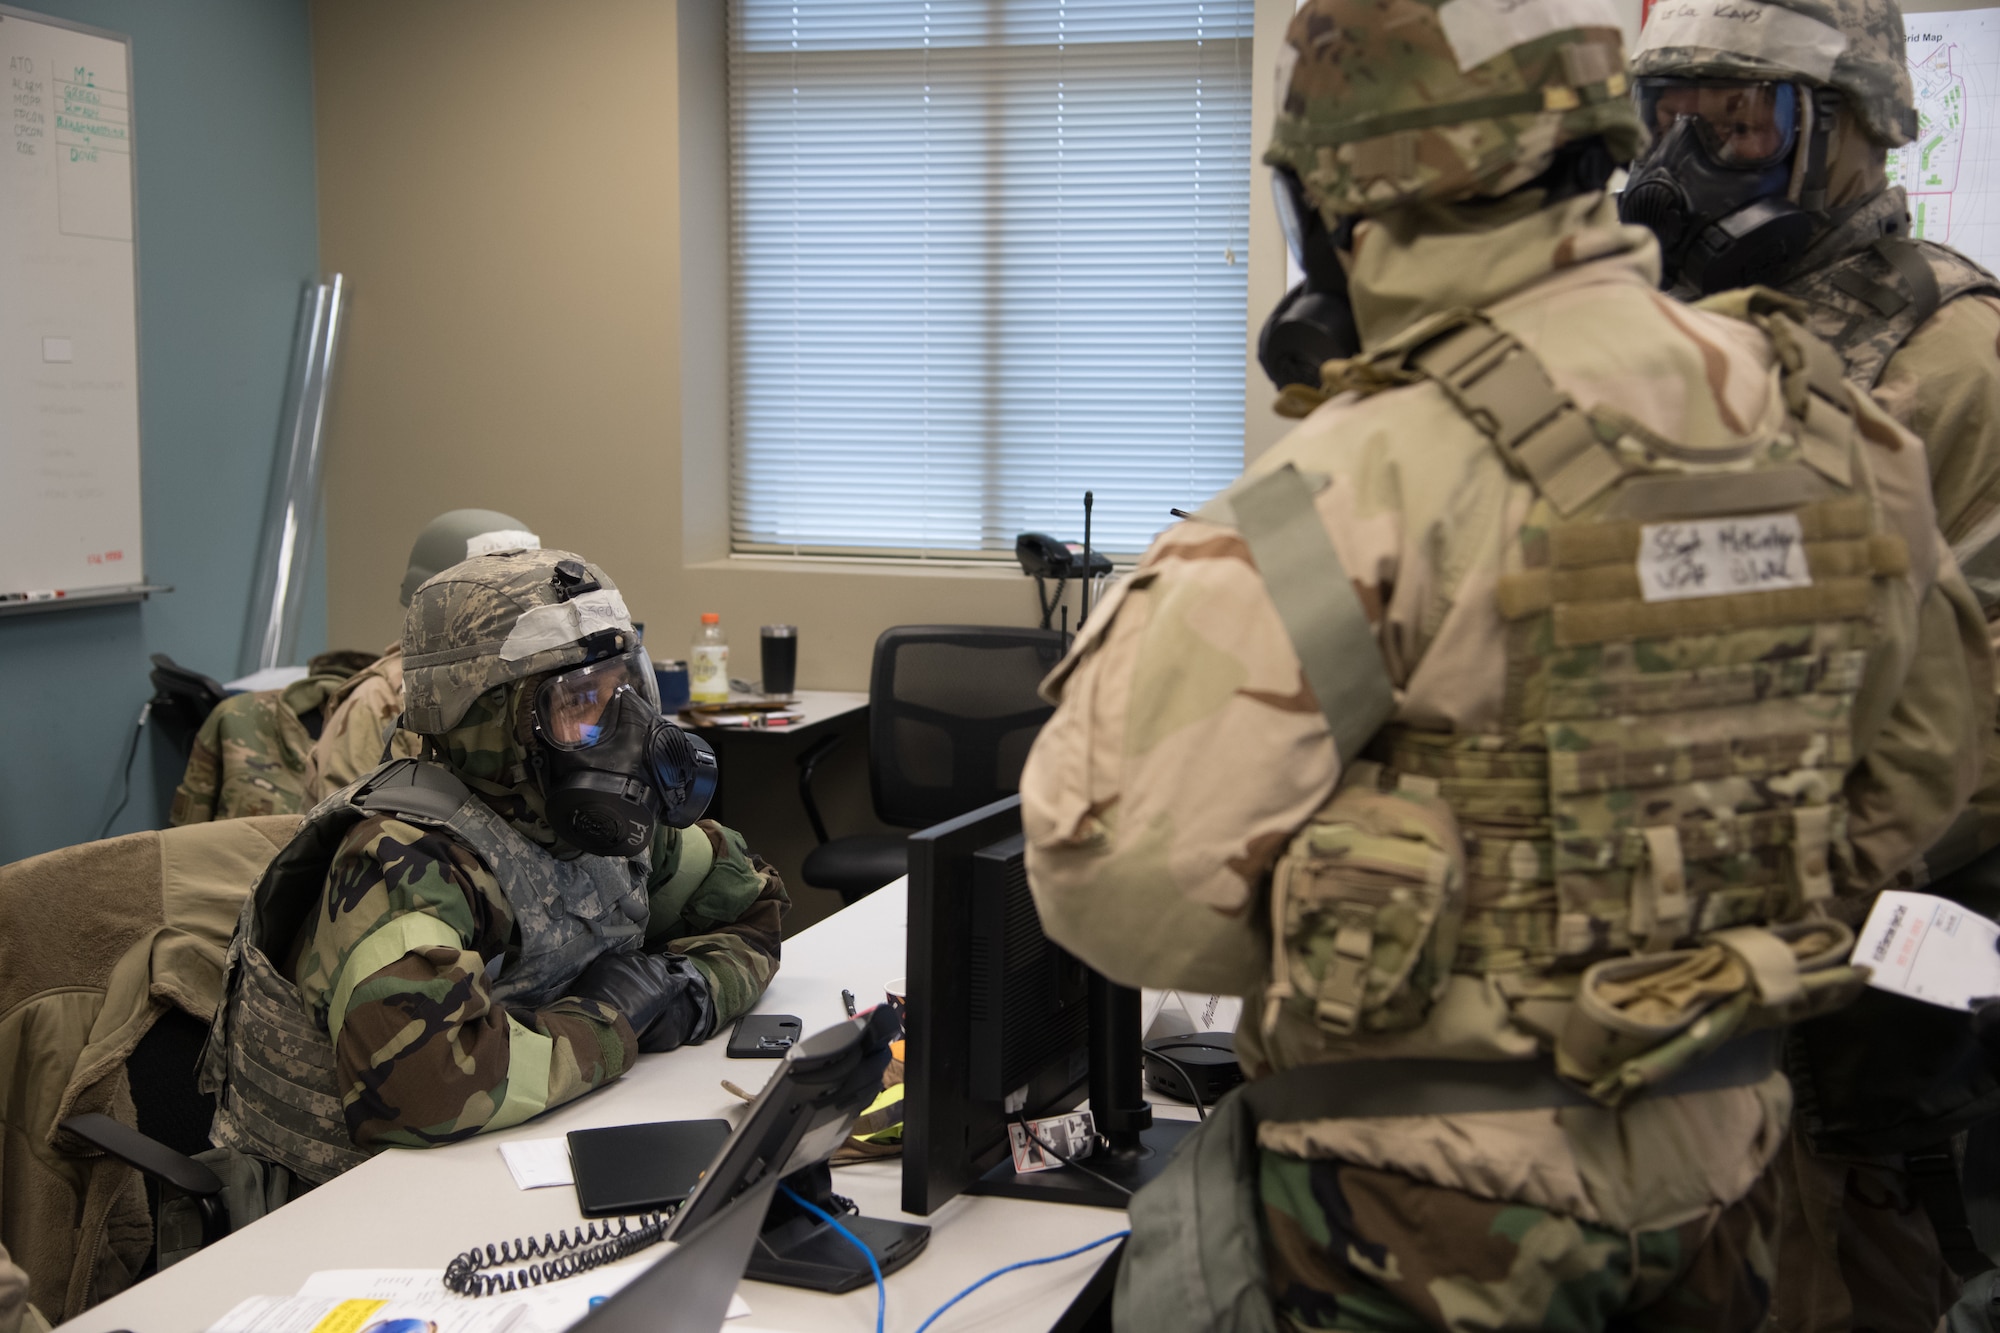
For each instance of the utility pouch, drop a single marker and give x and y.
(1366, 905)
(1638, 1021)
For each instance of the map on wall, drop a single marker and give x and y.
(1952, 171)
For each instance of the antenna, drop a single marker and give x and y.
(1083, 612)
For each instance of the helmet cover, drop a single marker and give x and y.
(1384, 103)
(500, 618)
(461, 534)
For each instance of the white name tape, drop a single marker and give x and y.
(1478, 30)
(1715, 557)
(1784, 37)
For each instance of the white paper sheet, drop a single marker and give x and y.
(547, 1309)
(537, 1164)
(1929, 949)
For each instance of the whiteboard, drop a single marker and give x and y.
(69, 347)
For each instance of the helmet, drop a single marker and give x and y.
(1392, 102)
(500, 618)
(1854, 47)
(460, 535)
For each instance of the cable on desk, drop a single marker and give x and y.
(1200, 1110)
(1025, 1263)
(881, 1292)
(1066, 1160)
(564, 1254)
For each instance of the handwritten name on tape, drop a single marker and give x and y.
(1720, 556)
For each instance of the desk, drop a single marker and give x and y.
(818, 706)
(759, 792)
(412, 1209)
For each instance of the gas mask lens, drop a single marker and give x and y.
(1746, 126)
(572, 707)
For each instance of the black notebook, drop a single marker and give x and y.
(641, 1168)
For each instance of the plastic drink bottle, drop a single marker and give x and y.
(708, 663)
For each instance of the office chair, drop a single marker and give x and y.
(182, 701)
(952, 710)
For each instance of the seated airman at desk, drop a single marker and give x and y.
(453, 943)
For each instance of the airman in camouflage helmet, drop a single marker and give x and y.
(1390, 104)
(1386, 104)
(535, 885)
(1455, 739)
(1774, 121)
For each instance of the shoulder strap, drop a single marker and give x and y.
(428, 791)
(1504, 391)
(1316, 601)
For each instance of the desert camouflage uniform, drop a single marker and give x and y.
(362, 714)
(1918, 324)
(251, 756)
(1188, 751)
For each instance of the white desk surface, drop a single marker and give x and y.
(416, 1209)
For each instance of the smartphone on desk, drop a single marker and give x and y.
(763, 1037)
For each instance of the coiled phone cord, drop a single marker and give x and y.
(482, 1270)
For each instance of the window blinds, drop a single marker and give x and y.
(987, 254)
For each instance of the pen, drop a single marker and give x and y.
(847, 999)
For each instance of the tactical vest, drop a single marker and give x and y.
(1869, 302)
(1646, 858)
(270, 1059)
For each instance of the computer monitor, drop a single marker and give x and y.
(1002, 1023)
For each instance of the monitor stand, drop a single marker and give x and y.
(1135, 1148)
(796, 1249)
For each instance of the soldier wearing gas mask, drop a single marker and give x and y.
(454, 943)
(1438, 736)
(1772, 125)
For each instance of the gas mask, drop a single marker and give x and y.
(610, 766)
(1314, 323)
(1714, 185)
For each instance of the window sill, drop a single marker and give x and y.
(893, 566)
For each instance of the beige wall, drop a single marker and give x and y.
(498, 181)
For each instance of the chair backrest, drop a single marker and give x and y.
(952, 710)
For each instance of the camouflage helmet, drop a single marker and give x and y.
(500, 618)
(459, 535)
(1391, 102)
(1852, 46)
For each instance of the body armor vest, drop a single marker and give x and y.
(1868, 286)
(270, 1060)
(1688, 625)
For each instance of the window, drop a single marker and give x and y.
(987, 254)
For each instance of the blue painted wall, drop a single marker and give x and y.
(223, 130)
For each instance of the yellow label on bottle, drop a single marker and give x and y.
(708, 673)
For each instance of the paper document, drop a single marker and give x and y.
(1929, 949)
(538, 1163)
(1172, 1013)
(361, 1300)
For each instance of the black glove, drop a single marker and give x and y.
(662, 995)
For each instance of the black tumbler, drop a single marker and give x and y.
(781, 658)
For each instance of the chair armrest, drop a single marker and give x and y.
(808, 762)
(151, 1156)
